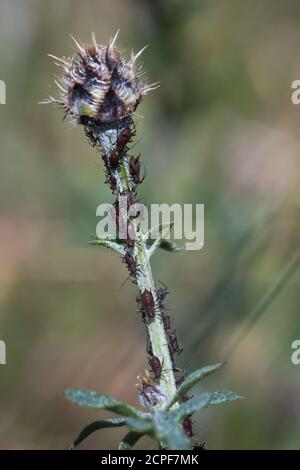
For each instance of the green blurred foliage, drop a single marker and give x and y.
(222, 131)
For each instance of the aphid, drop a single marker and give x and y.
(130, 263)
(185, 398)
(161, 293)
(113, 183)
(155, 365)
(188, 426)
(115, 212)
(135, 169)
(166, 321)
(130, 197)
(92, 139)
(148, 304)
(114, 160)
(176, 348)
(149, 394)
(123, 138)
(129, 240)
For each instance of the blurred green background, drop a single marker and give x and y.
(221, 130)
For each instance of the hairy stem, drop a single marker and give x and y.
(107, 138)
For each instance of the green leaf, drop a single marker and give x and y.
(222, 397)
(169, 245)
(129, 440)
(169, 433)
(192, 379)
(107, 243)
(100, 401)
(202, 401)
(190, 406)
(95, 426)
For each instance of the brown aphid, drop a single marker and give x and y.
(135, 170)
(114, 160)
(149, 394)
(129, 260)
(188, 426)
(166, 321)
(155, 365)
(124, 138)
(148, 304)
(130, 197)
(173, 341)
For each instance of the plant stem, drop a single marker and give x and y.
(107, 138)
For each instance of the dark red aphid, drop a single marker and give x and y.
(114, 160)
(166, 321)
(130, 263)
(161, 293)
(155, 365)
(123, 138)
(130, 195)
(112, 183)
(148, 304)
(185, 398)
(188, 426)
(135, 170)
(129, 240)
(92, 139)
(173, 341)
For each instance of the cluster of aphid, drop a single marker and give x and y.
(99, 88)
(148, 309)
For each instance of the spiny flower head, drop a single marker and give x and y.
(98, 86)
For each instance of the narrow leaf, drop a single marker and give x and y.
(129, 440)
(107, 243)
(100, 401)
(202, 401)
(222, 397)
(169, 245)
(189, 407)
(95, 426)
(192, 379)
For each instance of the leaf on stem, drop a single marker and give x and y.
(107, 243)
(95, 426)
(192, 379)
(129, 440)
(202, 401)
(100, 401)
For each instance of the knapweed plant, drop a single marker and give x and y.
(100, 90)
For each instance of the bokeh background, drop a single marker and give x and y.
(221, 130)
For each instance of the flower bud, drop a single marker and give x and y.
(98, 86)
